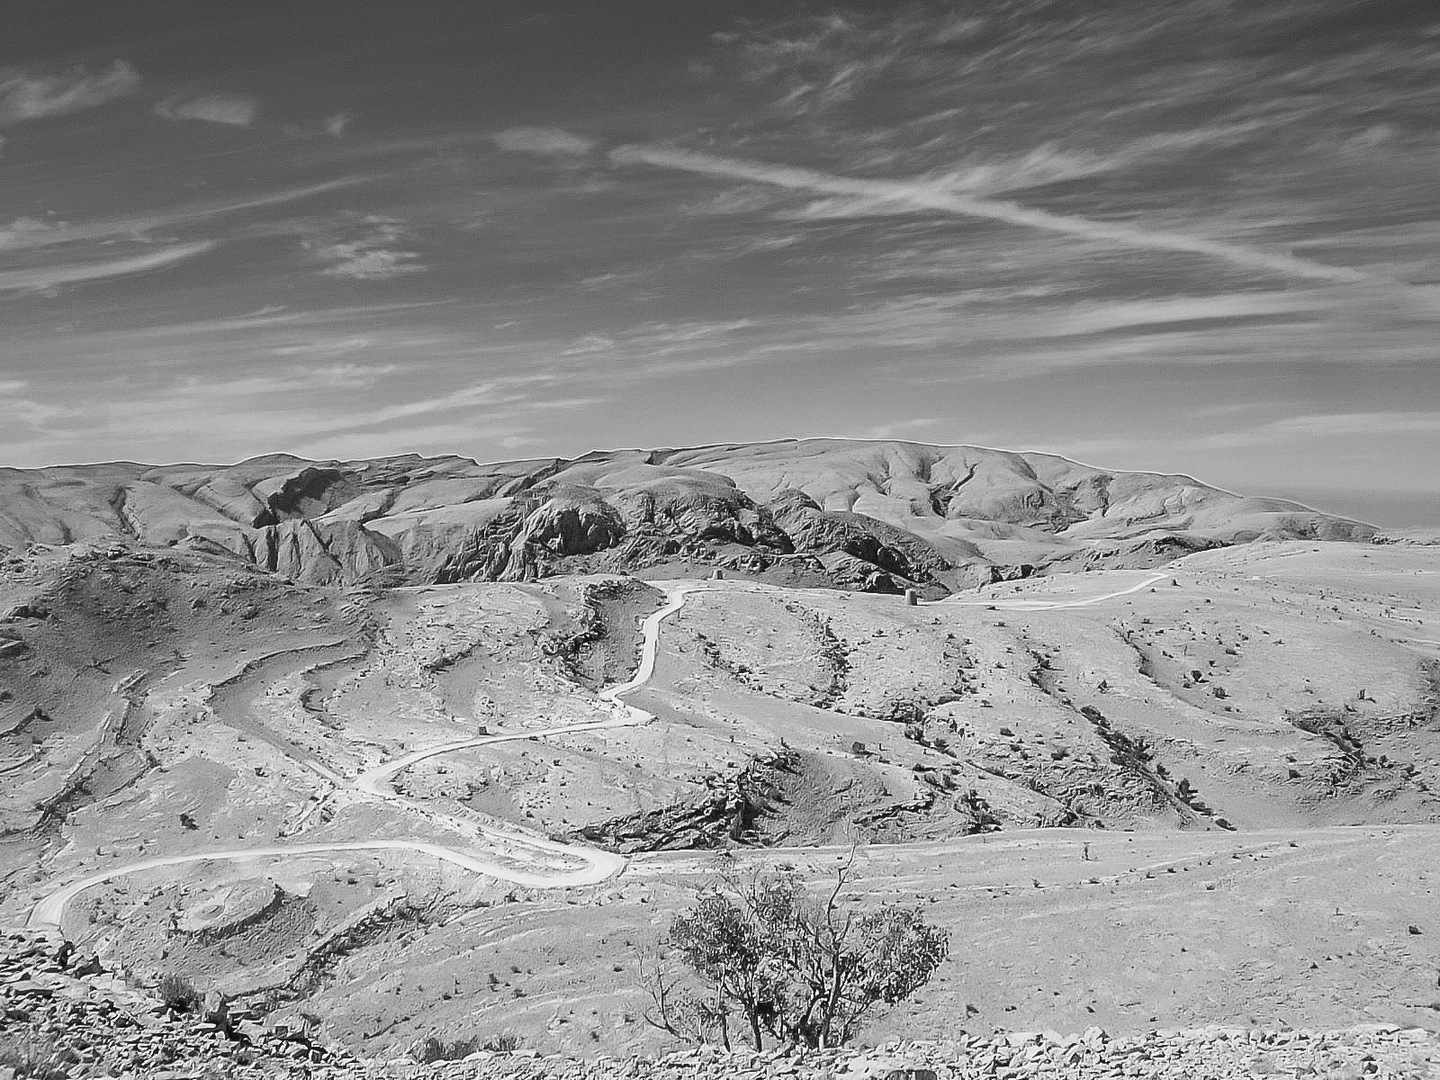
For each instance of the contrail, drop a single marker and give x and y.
(933, 195)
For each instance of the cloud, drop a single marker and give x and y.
(25, 232)
(48, 277)
(372, 256)
(661, 348)
(900, 427)
(369, 264)
(234, 110)
(325, 346)
(826, 67)
(335, 125)
(291, 382)
(30, 233)
(1102, 318)
(267, 318)
(487, 393)
(271, 379)
(543, 140)
(23, 411)
(33, 97)
(1052, 163)
(1368, 425)
(861, 197)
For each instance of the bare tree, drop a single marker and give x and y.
(798, 969)
(677, 1009)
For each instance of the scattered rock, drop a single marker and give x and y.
(91, 1025)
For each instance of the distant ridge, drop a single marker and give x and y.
(874, 515)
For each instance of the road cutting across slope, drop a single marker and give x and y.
(594, 866)
(1050, 605)
(590, 865)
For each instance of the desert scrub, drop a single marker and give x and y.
(433, 1048)
(178, 993)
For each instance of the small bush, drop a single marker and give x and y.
(179, 993)
(432, 1049)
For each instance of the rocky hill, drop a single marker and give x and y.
(878, 516)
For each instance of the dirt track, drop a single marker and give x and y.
(595, 866)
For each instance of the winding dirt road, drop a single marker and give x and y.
(589, 866)
(593, 866)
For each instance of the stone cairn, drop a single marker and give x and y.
(62, 1015)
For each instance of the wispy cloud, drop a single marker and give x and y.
(26, 96)
(27, 233)
(23, 410)
(869, 197)
(654, 349)
(1102, 318)
(233, 110)
(302, 325)
(336, 125)
(325, 346)
(369, 264)
(1053, 162)
(901, 427)
(1307, 428)
(187, 397)
(466, 397)
(543, 140)
(371, 256)
(49, 277)
(223, 391)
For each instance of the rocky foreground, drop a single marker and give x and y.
(62, 1015)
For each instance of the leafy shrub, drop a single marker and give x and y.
(800, 969)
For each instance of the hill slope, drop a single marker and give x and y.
(877, 516)
(193, 737)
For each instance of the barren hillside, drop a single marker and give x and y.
(346, 802)
(877, 516)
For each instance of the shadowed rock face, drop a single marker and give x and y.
(872, 515)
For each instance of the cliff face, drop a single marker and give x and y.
(875, 515)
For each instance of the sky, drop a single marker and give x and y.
(1198, 236)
